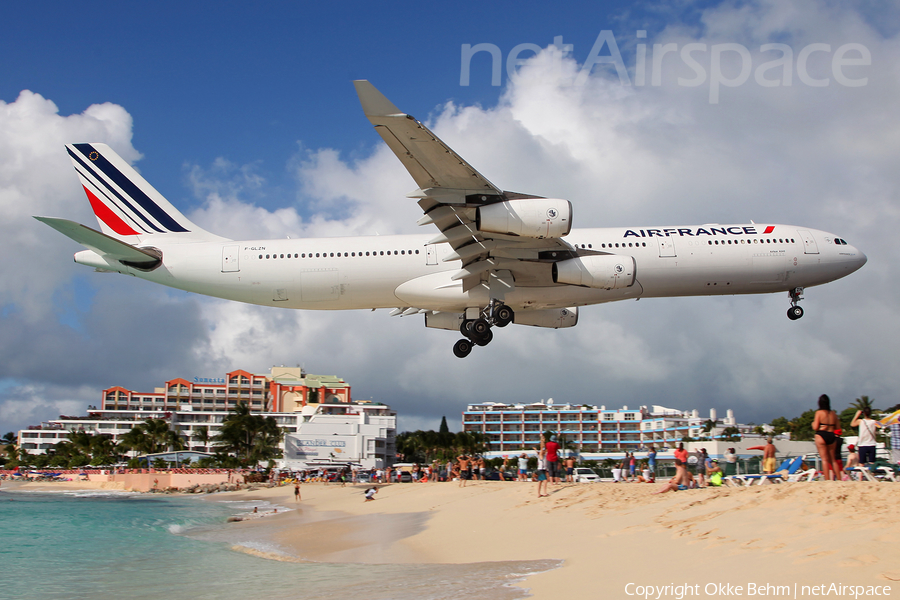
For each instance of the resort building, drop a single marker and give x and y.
(283, 389)
(307, 407)
(593, 429)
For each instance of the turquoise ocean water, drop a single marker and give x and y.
(105, 545)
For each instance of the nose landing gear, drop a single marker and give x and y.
(795, 312)
(478, 331)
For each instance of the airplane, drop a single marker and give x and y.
(497, 257)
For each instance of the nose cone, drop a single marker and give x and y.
(857, 260)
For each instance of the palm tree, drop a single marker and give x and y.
(158, 435)
(862, 403)
(201, 434)
(249, 436)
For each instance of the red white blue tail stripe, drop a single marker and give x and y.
(124, 203)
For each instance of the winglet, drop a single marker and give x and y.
(373, 102)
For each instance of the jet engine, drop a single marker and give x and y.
(526, 217)
(604, 271)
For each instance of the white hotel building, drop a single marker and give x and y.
(593, 429)
(307, 407)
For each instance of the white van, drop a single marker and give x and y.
(584, 475)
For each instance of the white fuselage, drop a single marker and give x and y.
(404, 271)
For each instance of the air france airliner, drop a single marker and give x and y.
(497, 257)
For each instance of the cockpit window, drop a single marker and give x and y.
(840, 242)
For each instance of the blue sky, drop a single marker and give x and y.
(246, 119)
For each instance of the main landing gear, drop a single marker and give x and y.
(478, 331)
(795, 312)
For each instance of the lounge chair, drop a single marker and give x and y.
(864, 472)
(886, 474)
(790, 465)
(808, 475)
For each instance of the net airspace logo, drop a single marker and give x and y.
(697, 231)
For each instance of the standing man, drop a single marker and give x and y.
(651, 460)
(465, 469)
(866, 443)
(297, 491)
(553, 459)
(570, 469)
(768, 455)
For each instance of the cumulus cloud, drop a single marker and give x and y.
(634, 155)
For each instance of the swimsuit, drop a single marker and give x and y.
(828, 437)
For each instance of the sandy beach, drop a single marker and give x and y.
(611, 535)
(613, 540)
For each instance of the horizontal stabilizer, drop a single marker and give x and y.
(104, 245)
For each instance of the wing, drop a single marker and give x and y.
(450, 193)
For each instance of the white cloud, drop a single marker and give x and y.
(818, 157)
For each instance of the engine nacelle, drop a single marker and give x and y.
(526, 217)
(555, 318)
(605, 272)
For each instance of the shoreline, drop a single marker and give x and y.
(605, 535)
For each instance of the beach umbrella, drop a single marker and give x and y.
(891, 419)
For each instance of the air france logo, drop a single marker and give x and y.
(552, 213)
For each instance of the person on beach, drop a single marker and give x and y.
(679, 482)
(865, 445)
(702, 458)
(552, 457)
(838, 452)
(370, 494)
(623, 468)
(570, 469)
(768, 464)
(542, 478)
(465, 469)
(651, 460)
(715, 473)
(523, 467)
(680, 453)
(852, 461)
(731, 458)
(824, 424)
(297, 491)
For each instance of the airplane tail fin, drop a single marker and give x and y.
(127, 207)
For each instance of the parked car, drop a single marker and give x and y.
(405, 477)
(585, 475)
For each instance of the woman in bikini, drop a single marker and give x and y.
(824, 424)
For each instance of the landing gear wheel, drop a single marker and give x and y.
(794, 313)
(503, 316)
(465, 327)
(462, 348)
(485, 339)
(480, 327)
